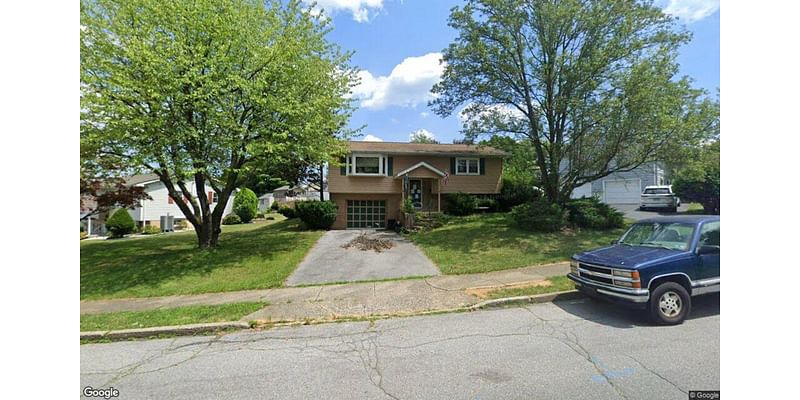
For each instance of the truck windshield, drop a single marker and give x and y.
(671, 235)
(657, 191)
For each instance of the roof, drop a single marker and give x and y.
(687, 219)
(419, 165)
(426, 148)
(140, 179)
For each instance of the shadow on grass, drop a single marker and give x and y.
(261, 257)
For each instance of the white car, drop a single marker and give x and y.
(659, 197)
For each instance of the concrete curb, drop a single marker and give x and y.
(539, 298)
(179, 330)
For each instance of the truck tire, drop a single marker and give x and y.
(670, 304)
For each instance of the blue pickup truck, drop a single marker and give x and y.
(658, 264)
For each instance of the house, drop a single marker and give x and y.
(624, 187)
(375, 178)
(302, 192)
(265, 201)
(149, 212)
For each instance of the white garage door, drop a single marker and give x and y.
(625, 191)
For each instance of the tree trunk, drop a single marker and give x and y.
(204, 235)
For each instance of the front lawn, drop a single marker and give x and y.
(556, 284)
(250, 256)
(168, 317)
(490, 242)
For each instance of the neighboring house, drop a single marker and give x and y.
(149, 212)
(95, 224)
(303, 192)
(265, 201)
(376, 177)
(624, 187)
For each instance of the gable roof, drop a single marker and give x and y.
(426, 148)
(421, 164)
(140, 179)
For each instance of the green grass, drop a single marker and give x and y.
(167, 317)
(249, 256)
(558, 284)
(490, 242)
(694, 208)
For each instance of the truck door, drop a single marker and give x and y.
(709, 263)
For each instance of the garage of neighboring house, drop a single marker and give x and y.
(622, 191)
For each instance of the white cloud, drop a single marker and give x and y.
(408, 85)
(424, 114)
(360, 9)
(691, 10)
(422, 132)
(371, 138)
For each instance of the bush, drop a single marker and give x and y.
(274, 206)
(120, 223)
(408, 206)
(83, 235)
(317, 214)
(490, 204)
(231, 219)
(702, 187)
(589, 212)
(245, 205)
(260, 214)
(461, 203)
(151, 230)
(538, 216)
(515, 193)
(287, 212)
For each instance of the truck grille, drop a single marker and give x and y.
(596, 273)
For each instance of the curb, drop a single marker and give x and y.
(180, 330)
(539, 298)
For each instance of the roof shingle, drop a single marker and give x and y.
(426, 148)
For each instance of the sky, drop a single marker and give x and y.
(397, 45)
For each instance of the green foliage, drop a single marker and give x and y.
(521, 166)
(317, 214)
(245, 205)
(288, 212)
(120, 223)
(84, 235)
(699, 180)
(209, 91)
(461, 203)
(489, 204)
(274, 206)
(231, 219)
(408, 206)
(516, 192)
(421, 137)
(589, 212)
(589, 87)
(150, 230)
(538, 216)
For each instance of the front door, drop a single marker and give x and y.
(416, 193)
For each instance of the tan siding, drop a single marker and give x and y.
(478, 184)
(392, 205)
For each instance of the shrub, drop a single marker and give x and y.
(287, 212)
(151, 230)
(461, 203)
(490, 204)
(274, 206)
(702, 187)
(260, 214)
(539, 216)
(589, 212)
(515, 193)
(83, 235)
(181, 224)
(245, 205)
(317, 214)
(231, 219)
(408, 206)
(120, 223)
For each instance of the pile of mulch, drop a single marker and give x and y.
(364, 243)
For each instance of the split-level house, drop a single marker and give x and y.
(375, 178)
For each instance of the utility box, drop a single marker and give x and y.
(167, 223)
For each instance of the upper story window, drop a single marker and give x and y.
(368, 164)
(467, 166)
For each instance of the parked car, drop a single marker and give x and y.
(658, 264)
(659, 197)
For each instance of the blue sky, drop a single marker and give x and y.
(397, 45)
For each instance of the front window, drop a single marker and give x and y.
(670, 235)
(467, 166)
(657, 191)
(371, 164)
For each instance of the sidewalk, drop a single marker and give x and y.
(352, 300)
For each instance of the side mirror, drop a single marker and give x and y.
(707, 249)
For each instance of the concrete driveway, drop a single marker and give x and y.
(632, 211)
(329, 262)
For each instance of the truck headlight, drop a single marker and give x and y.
(627, 274)
(573, 266)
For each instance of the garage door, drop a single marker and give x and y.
(366, 213)
(624, 191)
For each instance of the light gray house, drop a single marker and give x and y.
(624, 187)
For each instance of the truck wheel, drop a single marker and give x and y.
(670, 303)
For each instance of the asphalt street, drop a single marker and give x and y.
(581, 349)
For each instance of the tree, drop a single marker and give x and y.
(422, 136)
(245, 205)
(520, 166)
(591, 84)
(699, 180)
(102, 194)
(198, 91)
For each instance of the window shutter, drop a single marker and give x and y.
(452, 165)
(210, 197)
(482, 166)
(169, 199)
(389, 162)
(343, 168)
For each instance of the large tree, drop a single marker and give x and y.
(592, 85)
(197, 91)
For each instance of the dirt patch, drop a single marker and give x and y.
(365, 243)
(483, 292)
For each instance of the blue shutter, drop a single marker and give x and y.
(343, 168)
(482, 167)
(389, 162)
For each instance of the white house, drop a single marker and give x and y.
(624, 187)
(265, 202)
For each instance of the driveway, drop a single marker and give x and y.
(328, 261)
(632, 211)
